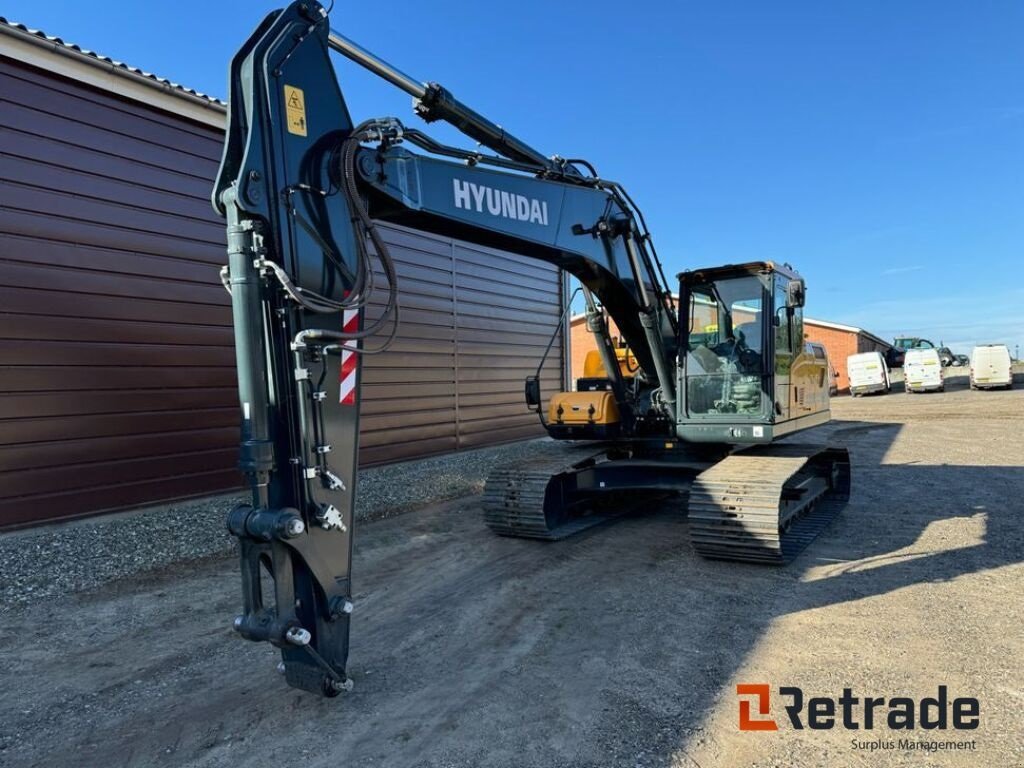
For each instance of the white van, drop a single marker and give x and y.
(922, 371)
(990, 367)
(868, 373)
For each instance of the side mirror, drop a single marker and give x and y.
(795, 294)
(533, 392)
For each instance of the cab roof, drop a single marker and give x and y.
(736, 270)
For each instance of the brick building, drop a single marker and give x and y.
(840, 341)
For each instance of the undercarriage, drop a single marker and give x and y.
(757, 504)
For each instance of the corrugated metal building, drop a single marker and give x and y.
(117, 380)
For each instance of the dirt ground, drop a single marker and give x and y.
(616, 648)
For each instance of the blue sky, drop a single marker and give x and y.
(877, 146)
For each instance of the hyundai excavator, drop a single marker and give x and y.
(689, 403)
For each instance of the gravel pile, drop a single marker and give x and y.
(55, 559)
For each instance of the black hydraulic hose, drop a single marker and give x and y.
(558, 328)
(365, 227)
(547, 350)
(363, 281)
(620, 192)
(630, 368)
(472, 158)
(359, 278)
(585, 163)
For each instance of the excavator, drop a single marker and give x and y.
(688, 402)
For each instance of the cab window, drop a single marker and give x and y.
(724, 360)
(783, 338)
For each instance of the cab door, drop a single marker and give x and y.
(784, 353)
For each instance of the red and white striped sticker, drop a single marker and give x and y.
(349, 360)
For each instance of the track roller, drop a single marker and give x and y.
(534, 504)
(764, 505)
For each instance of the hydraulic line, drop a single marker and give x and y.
(365, 226)
(434, 102)
(598, 326)
(363, 285)
(649, 319)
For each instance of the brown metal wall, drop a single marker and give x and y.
(116, 362)
(475, 323)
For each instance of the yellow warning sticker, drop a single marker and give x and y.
(295, 109)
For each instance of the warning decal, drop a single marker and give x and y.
(295, 109)
(349, 360)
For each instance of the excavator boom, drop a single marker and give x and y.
(302, 186)
(301, 192)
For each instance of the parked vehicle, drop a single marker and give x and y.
(990, 367)
(962, 360)
(818, 350)
(895, 354)
(911, 342)
(868, 373)
(922, 371)
(946, 357)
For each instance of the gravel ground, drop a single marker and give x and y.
(54, 559)
(618, 647)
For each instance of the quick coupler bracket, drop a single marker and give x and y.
(292, 597)
(261, 535)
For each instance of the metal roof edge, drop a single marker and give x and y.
(847, 328)
(52, 54)
(836, 326)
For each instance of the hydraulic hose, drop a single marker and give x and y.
(365, 228)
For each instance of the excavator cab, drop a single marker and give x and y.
(744, 373)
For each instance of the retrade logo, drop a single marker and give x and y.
(849, 712)
(762, 692)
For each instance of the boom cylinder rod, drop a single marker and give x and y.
(598, 326)
(378, 66)
(650, 319)
(434, 102)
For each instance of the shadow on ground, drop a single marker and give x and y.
(607, 649)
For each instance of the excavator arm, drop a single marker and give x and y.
(301, 187)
